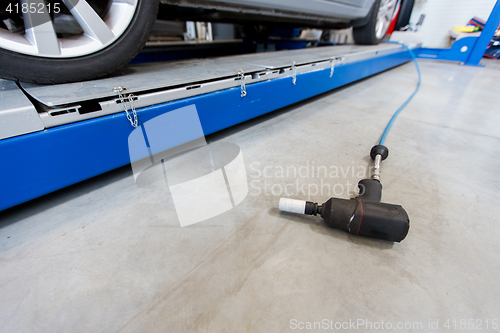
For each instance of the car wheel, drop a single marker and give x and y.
(404, 14)
(379, 20)
(57, 41)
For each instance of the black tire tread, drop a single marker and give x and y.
(365, 35)
(404, 14)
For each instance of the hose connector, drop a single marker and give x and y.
(378, 153)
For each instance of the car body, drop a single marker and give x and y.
(56, 41)
(317, 13)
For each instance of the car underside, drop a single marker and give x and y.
(232, 12)
(228, 13)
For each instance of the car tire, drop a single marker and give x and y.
(404, 14)
(36, 69)
(372, 33)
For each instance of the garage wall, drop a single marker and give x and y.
(442, 15)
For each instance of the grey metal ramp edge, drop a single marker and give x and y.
(72, 113)
(17, 115)
(153, 76)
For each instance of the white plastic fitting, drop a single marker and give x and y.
(292, 206)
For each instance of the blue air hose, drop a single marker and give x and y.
(389, 125)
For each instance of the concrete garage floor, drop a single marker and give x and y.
(108, 256)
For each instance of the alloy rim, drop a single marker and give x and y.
(384, 17)
(66, 29)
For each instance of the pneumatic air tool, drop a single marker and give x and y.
(364, 215)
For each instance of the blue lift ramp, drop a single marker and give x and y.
(53, 136)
